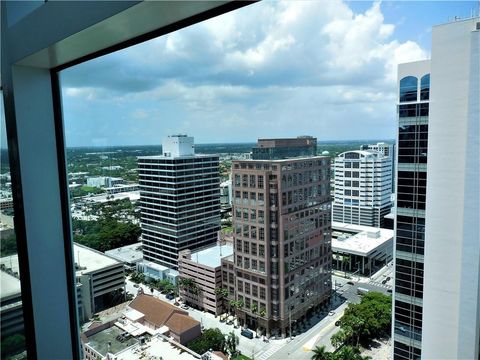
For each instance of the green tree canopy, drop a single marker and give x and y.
(363, 322)
(210, 339)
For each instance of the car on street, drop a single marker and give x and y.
(337, 323)
(185, 307)
(247, 333)
(169, 296)
(350, 283)
(331, 313)
(135, 285)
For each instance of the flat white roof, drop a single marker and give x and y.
(344, 227)
(131, 195)
(213, 255)
(159, 267)
(130, 253)
(154, 348)
(163, 157)
(9, 285)
(362, 243)
(91, 260)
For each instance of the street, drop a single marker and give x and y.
(322, 326)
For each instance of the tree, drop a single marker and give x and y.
(231, 343)
(210, 339)
(366, 321)
(190, 285)
(350, 353)
(221, 292)
(339, 338)
(8, 245)
(319, 353)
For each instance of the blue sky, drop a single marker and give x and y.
(271, 69)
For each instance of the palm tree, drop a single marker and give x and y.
(350, 353)
(319, 353)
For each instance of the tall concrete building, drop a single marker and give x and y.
(437, 287)
(270, 149)
(282, 241)
(179, 200)
(387, 150)
(363, 181)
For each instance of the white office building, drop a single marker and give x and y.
(179, 200)
(387, 150)
(104, 181)
(437, 247)
(226, 193)
(362, 188)
(451, 300)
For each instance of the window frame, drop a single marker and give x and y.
(33, 106)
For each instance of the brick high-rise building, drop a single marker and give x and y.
(282, 241)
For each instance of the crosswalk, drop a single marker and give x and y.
(272, 350)
(379, 284)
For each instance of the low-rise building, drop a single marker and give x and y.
(204, 267)
(100, 285)
(100, 281)
(154, 314)
(157, 272)
(116, 189)
(11, 315)
(360, 249)
(226, 193)
(104, 181)
(130, 255)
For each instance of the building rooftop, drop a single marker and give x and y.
(90, 260)
(293, 159)
(361, 243)
(105, 341)
(157, 347)
(128, 254)
(161, 313)
(131, 195)
(9, 285)
(212, 255)
(161, 157)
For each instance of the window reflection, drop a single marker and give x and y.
(408, 89)
(425, 87)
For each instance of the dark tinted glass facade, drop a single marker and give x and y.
(180, 205)
(277, 149)
(410, 218)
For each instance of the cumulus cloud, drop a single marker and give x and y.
(239, 66)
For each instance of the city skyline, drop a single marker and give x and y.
(330, 66)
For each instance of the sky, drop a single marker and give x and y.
(271, 69)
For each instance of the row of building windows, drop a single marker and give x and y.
(250, 248)
(413, 110)
(251, 181)
(304, 178)
(250, 264)
(249, 232)
(302, 195)
(254, 290)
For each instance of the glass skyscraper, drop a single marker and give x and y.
(413, 107)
